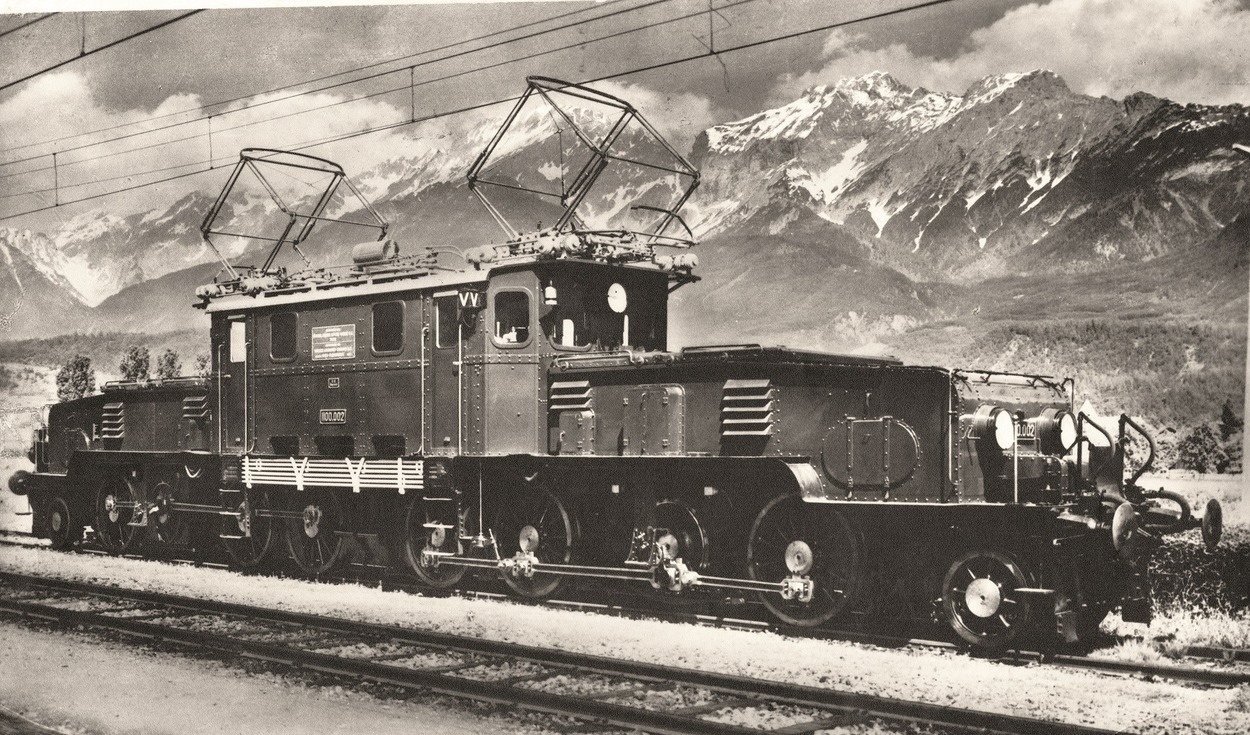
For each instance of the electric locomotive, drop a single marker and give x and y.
(522, 415)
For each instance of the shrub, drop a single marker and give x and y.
(168, 365)
(75, 379)
(1201, 451)
(134, 365)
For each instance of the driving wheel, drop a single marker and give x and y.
(533, 519)
(790, 537)
(432, 524)
(248, 536)
(117, 522)
(314, 539)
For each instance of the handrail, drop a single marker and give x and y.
(720, 348)
(1126, 421)
(1082, 419)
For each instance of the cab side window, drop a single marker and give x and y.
(512, 317)
(445, 316)
(388, 327)
(282, 341)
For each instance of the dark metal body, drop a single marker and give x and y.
(524, 415)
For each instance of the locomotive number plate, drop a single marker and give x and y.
(334, 415)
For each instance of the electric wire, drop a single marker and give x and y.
(337, 103)
(469, 108)
(98, 49)
(202, 118)
(15, 29)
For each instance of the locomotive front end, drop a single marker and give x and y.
(1023, 445)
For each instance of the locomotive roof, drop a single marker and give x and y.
(367, 284)
(719, 354)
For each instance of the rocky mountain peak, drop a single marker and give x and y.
(1039, 83)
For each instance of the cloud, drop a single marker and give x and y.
(679, 117)
(138, 146)
(173, 138)
(1184, 50)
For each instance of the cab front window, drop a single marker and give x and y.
(596, 312)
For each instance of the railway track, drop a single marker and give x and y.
(644, 696)
(1202, 675)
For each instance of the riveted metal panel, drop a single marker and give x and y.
(870, 454)
(654, 420)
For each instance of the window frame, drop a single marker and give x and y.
(294, 336)
(438, 319)
(531, 321)
(373, 328)
(236, 342)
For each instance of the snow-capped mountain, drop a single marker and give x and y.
(1018, 174)
(884, 202)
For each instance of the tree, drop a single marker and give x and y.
(1230, 423)
(203, 365)
(134, 365)
(168, 365)
(75, 379)
(1201, 451)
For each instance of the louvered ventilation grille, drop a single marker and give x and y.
(195, 407)
(746, 408)
(113, 423)
(569, 395)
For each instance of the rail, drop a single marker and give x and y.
(30, 596)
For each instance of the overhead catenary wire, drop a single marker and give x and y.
(469, 108)
(410, 86)
(85, 53)
(28, 23)
(221, 103)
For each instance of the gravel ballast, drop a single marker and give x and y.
(940, 677)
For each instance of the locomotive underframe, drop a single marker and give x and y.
(901, 550)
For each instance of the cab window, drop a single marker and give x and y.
(512, 318)
(388, 327)
(445, 316)
(238, 341)
(282, 341)
(597, 313)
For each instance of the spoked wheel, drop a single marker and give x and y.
(313, 540)
(980, 601)
(248, 537)
(116, 507)
(168, 526)
(682, 533)
(63, 529)
(535, 520)
(793, 537)
(433, 526)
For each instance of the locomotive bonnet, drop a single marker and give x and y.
(515, 411)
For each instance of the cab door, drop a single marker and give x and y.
(510, 368)
(232, 358)
(453, 386)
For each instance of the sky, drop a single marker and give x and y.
(139, 112)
